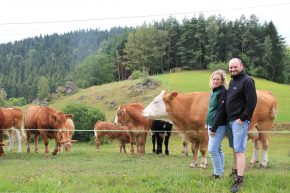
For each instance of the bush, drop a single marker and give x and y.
(136, 74)
(217, 66)
(84, 118)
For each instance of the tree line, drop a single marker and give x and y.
(35, 67)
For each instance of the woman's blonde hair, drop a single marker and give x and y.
(223, 75)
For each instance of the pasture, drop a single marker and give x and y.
(82, 170)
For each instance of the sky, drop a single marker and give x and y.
(20, 19)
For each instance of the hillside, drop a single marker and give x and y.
(108, 97)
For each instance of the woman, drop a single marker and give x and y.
(216, 121)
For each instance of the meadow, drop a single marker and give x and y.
(83, 170)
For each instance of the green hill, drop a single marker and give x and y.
(108, 97)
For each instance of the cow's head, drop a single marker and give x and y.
(120, 118)
(157, 108)
(58, 120)
(67, 134)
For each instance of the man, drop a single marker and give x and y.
(240, 104)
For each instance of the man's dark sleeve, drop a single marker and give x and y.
(251, 100)
(221, 110)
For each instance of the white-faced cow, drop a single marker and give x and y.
(261, 124)
(130, 115)
(12, 125)
(188, 114)
(112, 131)
(161, 130)
(47, 122)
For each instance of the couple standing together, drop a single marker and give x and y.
(230, 111)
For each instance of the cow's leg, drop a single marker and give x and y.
(265, 145)
(18, 139)
(166, 142)
(255, 158)
(194, 149)
(184, 144)
(124, 147)
(1, 143)
(28, 136)
(132, 141)
(10, 139)
(203, 147)
(36, 137)
(159, 142)
(45, 141)
(141, 144)
(98, 141)
(153, 141)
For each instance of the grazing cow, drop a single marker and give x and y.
(160, 128)
(47, 122)
(1, 132)
(12, 124)
(66, 136)
(261, 124)
(130, 115)
(188, 114)
(112, 131)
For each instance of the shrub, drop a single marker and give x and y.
(84, 118)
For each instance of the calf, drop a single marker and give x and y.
(130, 115)
(160, 128)
(66, 136)
(112, 131)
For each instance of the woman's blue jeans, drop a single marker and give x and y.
(215, 150)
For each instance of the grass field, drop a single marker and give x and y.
(82, 170)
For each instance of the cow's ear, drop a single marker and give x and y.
(173, 95)
(54, 117)
(68, 115)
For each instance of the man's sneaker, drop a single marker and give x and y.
(234, 174)
(237, 184)
(215, 176)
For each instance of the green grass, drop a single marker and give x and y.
(188, 81)
(82, 170)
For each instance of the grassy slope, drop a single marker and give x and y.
(182, 82)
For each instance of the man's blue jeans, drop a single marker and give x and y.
(215, 150)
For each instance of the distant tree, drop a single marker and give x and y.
(43, 89)
(95, 70)
(3, 96)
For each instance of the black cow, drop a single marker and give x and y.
(159, 128)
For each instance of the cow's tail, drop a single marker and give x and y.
(273, 111)
(95, 131)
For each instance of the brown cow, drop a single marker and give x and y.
(112, 131)
(67, 134)
(130, 115)
(261, 124)
(1, 132)
(47, 122)
(13, 124)
(188, 113)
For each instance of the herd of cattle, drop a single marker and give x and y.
(187, 112)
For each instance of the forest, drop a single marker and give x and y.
(36, 67)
